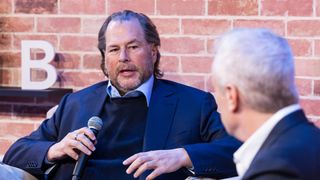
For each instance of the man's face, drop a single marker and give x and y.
(222, 101)
(129, 58)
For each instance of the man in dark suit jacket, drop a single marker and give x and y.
(151, 127)
(254, 82)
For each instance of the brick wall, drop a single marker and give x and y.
(187, 28)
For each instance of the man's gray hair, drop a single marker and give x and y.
(260, 64)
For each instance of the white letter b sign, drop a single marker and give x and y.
(27, 64)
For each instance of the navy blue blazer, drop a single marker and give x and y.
(291, 151)
(178, 116)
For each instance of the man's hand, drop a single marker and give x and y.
(161, 161)
(72, 144)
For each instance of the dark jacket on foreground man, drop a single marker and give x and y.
(178, 116)
(285, 152)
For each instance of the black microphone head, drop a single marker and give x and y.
(95, 123)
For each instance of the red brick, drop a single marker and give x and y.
(59, 25)
(5, 6)
(82, 7)
(36, 6)
(286, 7)
(275, 25)
(210, 46)
(38, 74)
(37, 124)
(62, 80)
(194, 64)
(92, 25)
(6, 76)
(15, 129)
(5, 118)
(78, 43)
(34, 119)
(317, 48)
(143, 6)
(82, 79)
(317, 2)
(307, 68)
(10, 59)
(304, 86)
(16, 77)
(59, 83)
(233, 7)
(5, 41)
(16, 24)
(191, 80)
(178, 7)
(10, 77)
(304, 28)
(169, 64)
(92, 61)
(316, 88)
(183, 45)
(67, 61)
(30, 110)
(5, 144)
(50, 38)
(209, 84)
(205, 26)
(37, 54)
(311, 106)
(63, 60)
(166, 25)
(301, 47)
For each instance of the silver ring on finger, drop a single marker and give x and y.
(76, 137)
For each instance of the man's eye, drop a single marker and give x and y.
(113, 50)
(133, 47)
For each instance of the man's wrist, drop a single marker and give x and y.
(186, 161)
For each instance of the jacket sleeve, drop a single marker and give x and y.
(28, 153)
(214, 156)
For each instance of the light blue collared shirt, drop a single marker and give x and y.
(145, 88)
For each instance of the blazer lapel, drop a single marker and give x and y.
(92, 105)
(160, 116)
(287, 122)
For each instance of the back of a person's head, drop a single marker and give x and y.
(260, 64)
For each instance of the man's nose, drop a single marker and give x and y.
(123, 55)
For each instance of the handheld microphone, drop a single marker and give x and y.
(95, 125)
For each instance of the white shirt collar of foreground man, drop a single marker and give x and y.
(145, 88)
(245, 154)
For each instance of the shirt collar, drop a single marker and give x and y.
(245, 154)
(145, 88)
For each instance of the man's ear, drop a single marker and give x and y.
(154, 52)
(232, 97)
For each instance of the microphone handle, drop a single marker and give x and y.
(75, 178)
(77, 173)
(83, 158)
